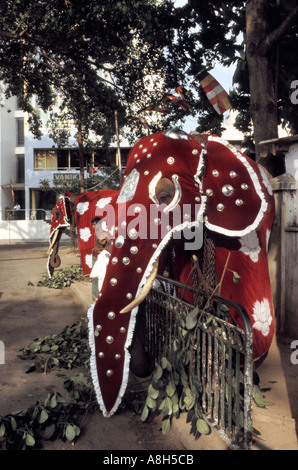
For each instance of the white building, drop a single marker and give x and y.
(25, 161)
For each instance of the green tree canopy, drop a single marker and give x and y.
(260, 37)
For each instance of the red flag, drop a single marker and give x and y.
(176, 100)
(215, 93)
(182, 92)
(158, 109)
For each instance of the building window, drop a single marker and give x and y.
(57, 160)
(20, 132)
(20, 169)
(45, 159)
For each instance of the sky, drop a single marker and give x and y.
(224, 75)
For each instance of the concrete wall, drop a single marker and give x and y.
(11, 230)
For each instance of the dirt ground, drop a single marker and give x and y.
(28, 312)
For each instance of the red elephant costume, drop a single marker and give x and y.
(86, 205)
(221, 189)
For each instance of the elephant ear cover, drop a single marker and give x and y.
(240, 203)
(236, 201)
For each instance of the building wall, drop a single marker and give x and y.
(7, 150)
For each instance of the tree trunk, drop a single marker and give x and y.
(263, 105)
(81, 153)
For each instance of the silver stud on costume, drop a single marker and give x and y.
(244, 186)
(113, 281)
(132, 232)
(122, 329)
(215, 173)
(101, 355)
(149, 155)
(119, 241)
(233, 174)
(157, 221)
(176, 134)
(209, 192)
(220, 207)
(195, 151)
(125, 260)
(137, 210)
(111, 315)
(129, 295)
(238, 202)
(109, 372)
(139, 270)
(109, 339)
(114, 260)
(227, 190)
(154, 245)
(133, 250)
(98, 327)
(146, 172)
(117, 356)
(197, 199)
(170, 160)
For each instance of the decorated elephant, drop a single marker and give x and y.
(84, 206)
(178, 191)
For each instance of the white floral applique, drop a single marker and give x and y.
(103, 202)
(85, 234)
(262, 316)
(88, 259)
(250, 246)
(82, 207)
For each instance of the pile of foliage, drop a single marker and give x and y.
(62, 278)
(66, 350)
(55, 418)
(51, 420)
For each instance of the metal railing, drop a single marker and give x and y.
(34, 214)
(222, 356)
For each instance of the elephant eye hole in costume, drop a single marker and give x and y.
(164, 191)
(216, 188)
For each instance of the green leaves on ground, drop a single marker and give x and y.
(62, 278)
(66, 350)
(54, 419)
(259, 398)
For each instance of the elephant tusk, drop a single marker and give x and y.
(54, 240)
(145, 289)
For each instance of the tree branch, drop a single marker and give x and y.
(275, 35)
